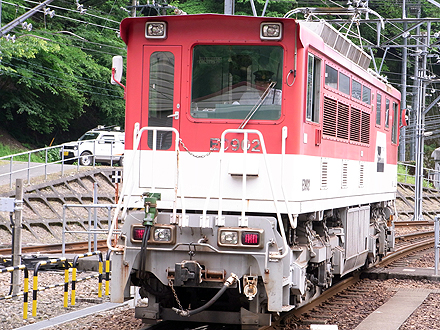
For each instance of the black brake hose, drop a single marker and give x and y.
(143, 254)
(230, 281)
(210, 302)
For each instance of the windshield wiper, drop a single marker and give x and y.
(257, 105)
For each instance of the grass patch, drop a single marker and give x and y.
(403, 176)
(36, 157)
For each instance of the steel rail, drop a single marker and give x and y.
(74, 247)
(344, 284)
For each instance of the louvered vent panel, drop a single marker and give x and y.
(343, 121)
(338, 41)
(329, 117)
(355, 125)
(361, 175)
(324, 174)
(344, 174)
(342, 45)
(365, 128)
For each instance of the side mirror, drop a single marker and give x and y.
(404, 118)
(117, 67)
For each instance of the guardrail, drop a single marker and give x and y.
(92, 228)
(35, 287)
(53, 156)
(75, 280)
(67, 269)
(22, 163)
(431, 178)
(25, 289)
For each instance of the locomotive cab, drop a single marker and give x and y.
(261, 164)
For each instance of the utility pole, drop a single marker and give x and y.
(420, 125)
(229, 7)
(16, 257)
(402, 144)
(133, 9)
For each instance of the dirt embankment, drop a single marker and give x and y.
(7, 140)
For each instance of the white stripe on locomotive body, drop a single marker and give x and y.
(309, 183)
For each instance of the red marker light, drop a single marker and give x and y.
(138, 233)
(249, 238)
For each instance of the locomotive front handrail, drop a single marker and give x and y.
(264, 152)
(137, 133)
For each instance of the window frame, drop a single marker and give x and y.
(354, 81)
(378, 109)
(327, 65)
(387, 113)
(313, 88)
(339, 83)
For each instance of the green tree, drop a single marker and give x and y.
(57, 77)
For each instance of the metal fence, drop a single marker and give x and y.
(40, 162)
(406, 174)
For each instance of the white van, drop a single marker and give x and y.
(105, 144)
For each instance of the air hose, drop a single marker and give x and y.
(150, 204)
(230, 281)
(143, 254)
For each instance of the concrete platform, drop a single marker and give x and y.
(401, 273)
(71, 316)
(392, 314)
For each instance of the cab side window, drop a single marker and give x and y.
(313, 88)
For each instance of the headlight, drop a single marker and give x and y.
(270, 31)
(240, 237)
(162, 234)
(159, 234)
(229, 237)
(156, 30)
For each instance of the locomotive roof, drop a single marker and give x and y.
(126, 22)
(329, 35)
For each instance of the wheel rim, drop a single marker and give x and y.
(86, 159)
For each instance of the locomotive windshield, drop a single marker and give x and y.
(229, 80)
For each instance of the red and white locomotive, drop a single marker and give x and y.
(261, 163)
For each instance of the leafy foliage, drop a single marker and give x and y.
(53, 80)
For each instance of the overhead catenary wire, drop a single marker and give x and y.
(43, 75)
(85, 91)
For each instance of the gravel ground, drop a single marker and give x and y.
(50, 304)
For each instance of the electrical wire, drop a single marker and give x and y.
(61, 79)
(86, 91)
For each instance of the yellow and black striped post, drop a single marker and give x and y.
(100, 279)
(73, 294)
(35, 280)
(66, 286)
(74, 280)
(25, 287)
(107, 273)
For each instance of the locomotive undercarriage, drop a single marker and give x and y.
(324, 245)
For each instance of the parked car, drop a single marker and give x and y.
(104, 144)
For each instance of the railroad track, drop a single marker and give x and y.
(71, 248)
(175, 325)
(339, 296)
